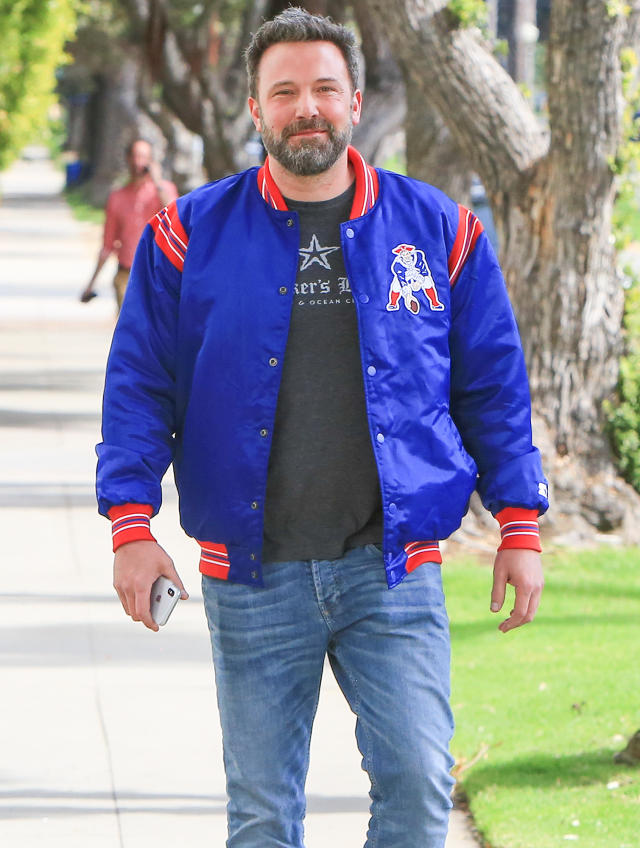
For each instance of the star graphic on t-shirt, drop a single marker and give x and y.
(315, 253)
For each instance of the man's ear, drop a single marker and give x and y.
(356, 107)
(255, 113)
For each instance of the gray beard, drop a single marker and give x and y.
(310, 157)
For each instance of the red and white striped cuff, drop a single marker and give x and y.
(130, 523)
(519, 529)
(214, 560)
(421, 552)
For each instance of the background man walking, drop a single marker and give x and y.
(128, 211)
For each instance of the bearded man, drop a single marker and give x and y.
(322, 446)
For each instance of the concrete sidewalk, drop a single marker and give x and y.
(109, 733)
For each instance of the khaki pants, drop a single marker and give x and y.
(120, 284)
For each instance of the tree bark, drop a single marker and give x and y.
(552, 193)
(209, 98)
(395, 103)
(433, 154)
(114, 122)
(200, 96)
(383, 86)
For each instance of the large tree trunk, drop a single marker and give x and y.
(396, 108)
(551, 195)
(383, 86)
(183, 156)
(114, 122)
(433, 154)
(558, 233)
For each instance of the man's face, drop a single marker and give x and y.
(305, 107)
(139, 159)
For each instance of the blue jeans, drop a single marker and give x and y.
(389, 651)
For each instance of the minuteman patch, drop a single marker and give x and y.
(411, 275)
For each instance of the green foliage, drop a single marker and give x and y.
(623, 417)
(626, 163)
(55, 136)
(468, 13)
(83, 210)
(501, 48)
(541, 711)
(525, 91)
(618, 7)
(397, 163)
(32, 38)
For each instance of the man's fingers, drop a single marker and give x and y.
(123, 598)
(498, 592)
(175, 578)
(136, 602)
(136, 566)
(524, 609)
(143, 609)
(521, 606)
(534, 602)
(519, 613)
(522, 569)
(511, 623)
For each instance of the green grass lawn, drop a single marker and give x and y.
(82, 210)
(547, 706)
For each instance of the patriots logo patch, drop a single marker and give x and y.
(411, 274)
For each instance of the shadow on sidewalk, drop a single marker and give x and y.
(142, 802)
(29, 418)
(47, 495)
(89, 803)
(14, 200)
(85, 644)
(57, 380)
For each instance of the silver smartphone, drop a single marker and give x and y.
(164, 596)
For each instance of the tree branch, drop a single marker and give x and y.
(478, 101)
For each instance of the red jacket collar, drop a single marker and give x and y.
(363, 200)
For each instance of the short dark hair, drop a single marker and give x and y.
(295, 24)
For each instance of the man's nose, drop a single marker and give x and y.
(306, 106)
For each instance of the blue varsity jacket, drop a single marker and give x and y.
(194, 368)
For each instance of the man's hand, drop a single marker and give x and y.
(87, 295)
(523, 570)
(155, 172)
(135, 568)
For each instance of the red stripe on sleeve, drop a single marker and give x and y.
(176, 223)
(170, 235)
(469, 228)
(519, 529)
(130, 523)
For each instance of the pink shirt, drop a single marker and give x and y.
(128, 211)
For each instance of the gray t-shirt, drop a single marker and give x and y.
(323, 493)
